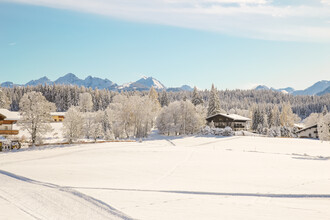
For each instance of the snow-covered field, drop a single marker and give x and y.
(175, 178)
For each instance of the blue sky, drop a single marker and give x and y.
(231, 43)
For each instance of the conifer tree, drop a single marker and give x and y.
(164, 99)
(214, 102)
(196, 98)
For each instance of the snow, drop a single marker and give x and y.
(9, 114)
(232, 116)
(192, 177)
(57, 113)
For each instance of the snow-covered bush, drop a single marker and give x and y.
(286, 132)
(274, 132)
(227, 131)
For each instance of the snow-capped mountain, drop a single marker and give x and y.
(143, 84)
(261, 87)
(318, 88)
(69, 79)
(95, 82)
(314, 89)
(327, 90)
(42, 81)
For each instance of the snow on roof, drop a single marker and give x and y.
(57, 113)
(309, 127)
(10, 115)
(232, 116)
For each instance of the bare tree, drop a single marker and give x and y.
(35, 111)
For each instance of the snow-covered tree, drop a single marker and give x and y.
(214, 102)
(88, 123)
(179, 118)
(73, 124)
(4, 101)
(85, 102)
(163, 100)
(36, 117)
(196, 98)
(287, 117)
(257, 119)
(324, 110)
(96, 125)
(323, 127)
(311, 120)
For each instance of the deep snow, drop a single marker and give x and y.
(169, 178)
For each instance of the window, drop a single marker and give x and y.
(6, 127)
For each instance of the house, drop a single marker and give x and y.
(236, 122)
(309, 132)
(7, 120)
(58, 116)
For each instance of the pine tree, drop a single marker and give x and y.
(196, 98)
(4, 101)
(164, 99)
(325, 110)
(323, 127)
(214, 102)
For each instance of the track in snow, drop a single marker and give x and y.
(40, 200)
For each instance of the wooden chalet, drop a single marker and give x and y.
(236, 122)
(7, 120)
(58, 116)
(309, 132)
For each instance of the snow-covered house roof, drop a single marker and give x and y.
(9, 115)
(231, 116)
(57, 113)
(313, 126)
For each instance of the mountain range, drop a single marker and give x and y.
(318, 88)
(143, 84)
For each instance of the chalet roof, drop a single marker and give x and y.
(231, 116)
(313, 126)
(57, 113)
(9, 114)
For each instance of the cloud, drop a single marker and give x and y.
(12, 44)
(261, 19)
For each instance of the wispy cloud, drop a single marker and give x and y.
(262, 19)
(12, 44)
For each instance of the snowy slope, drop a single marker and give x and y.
(171, 178)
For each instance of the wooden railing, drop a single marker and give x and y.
(8, 132)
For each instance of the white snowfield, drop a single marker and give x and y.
(174, 178)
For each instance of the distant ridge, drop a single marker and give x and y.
(143, 84)
(318, 88)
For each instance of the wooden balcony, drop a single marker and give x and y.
(9, 132)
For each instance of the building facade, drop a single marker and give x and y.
(7, 120)
(309, 132)
(236, 122)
